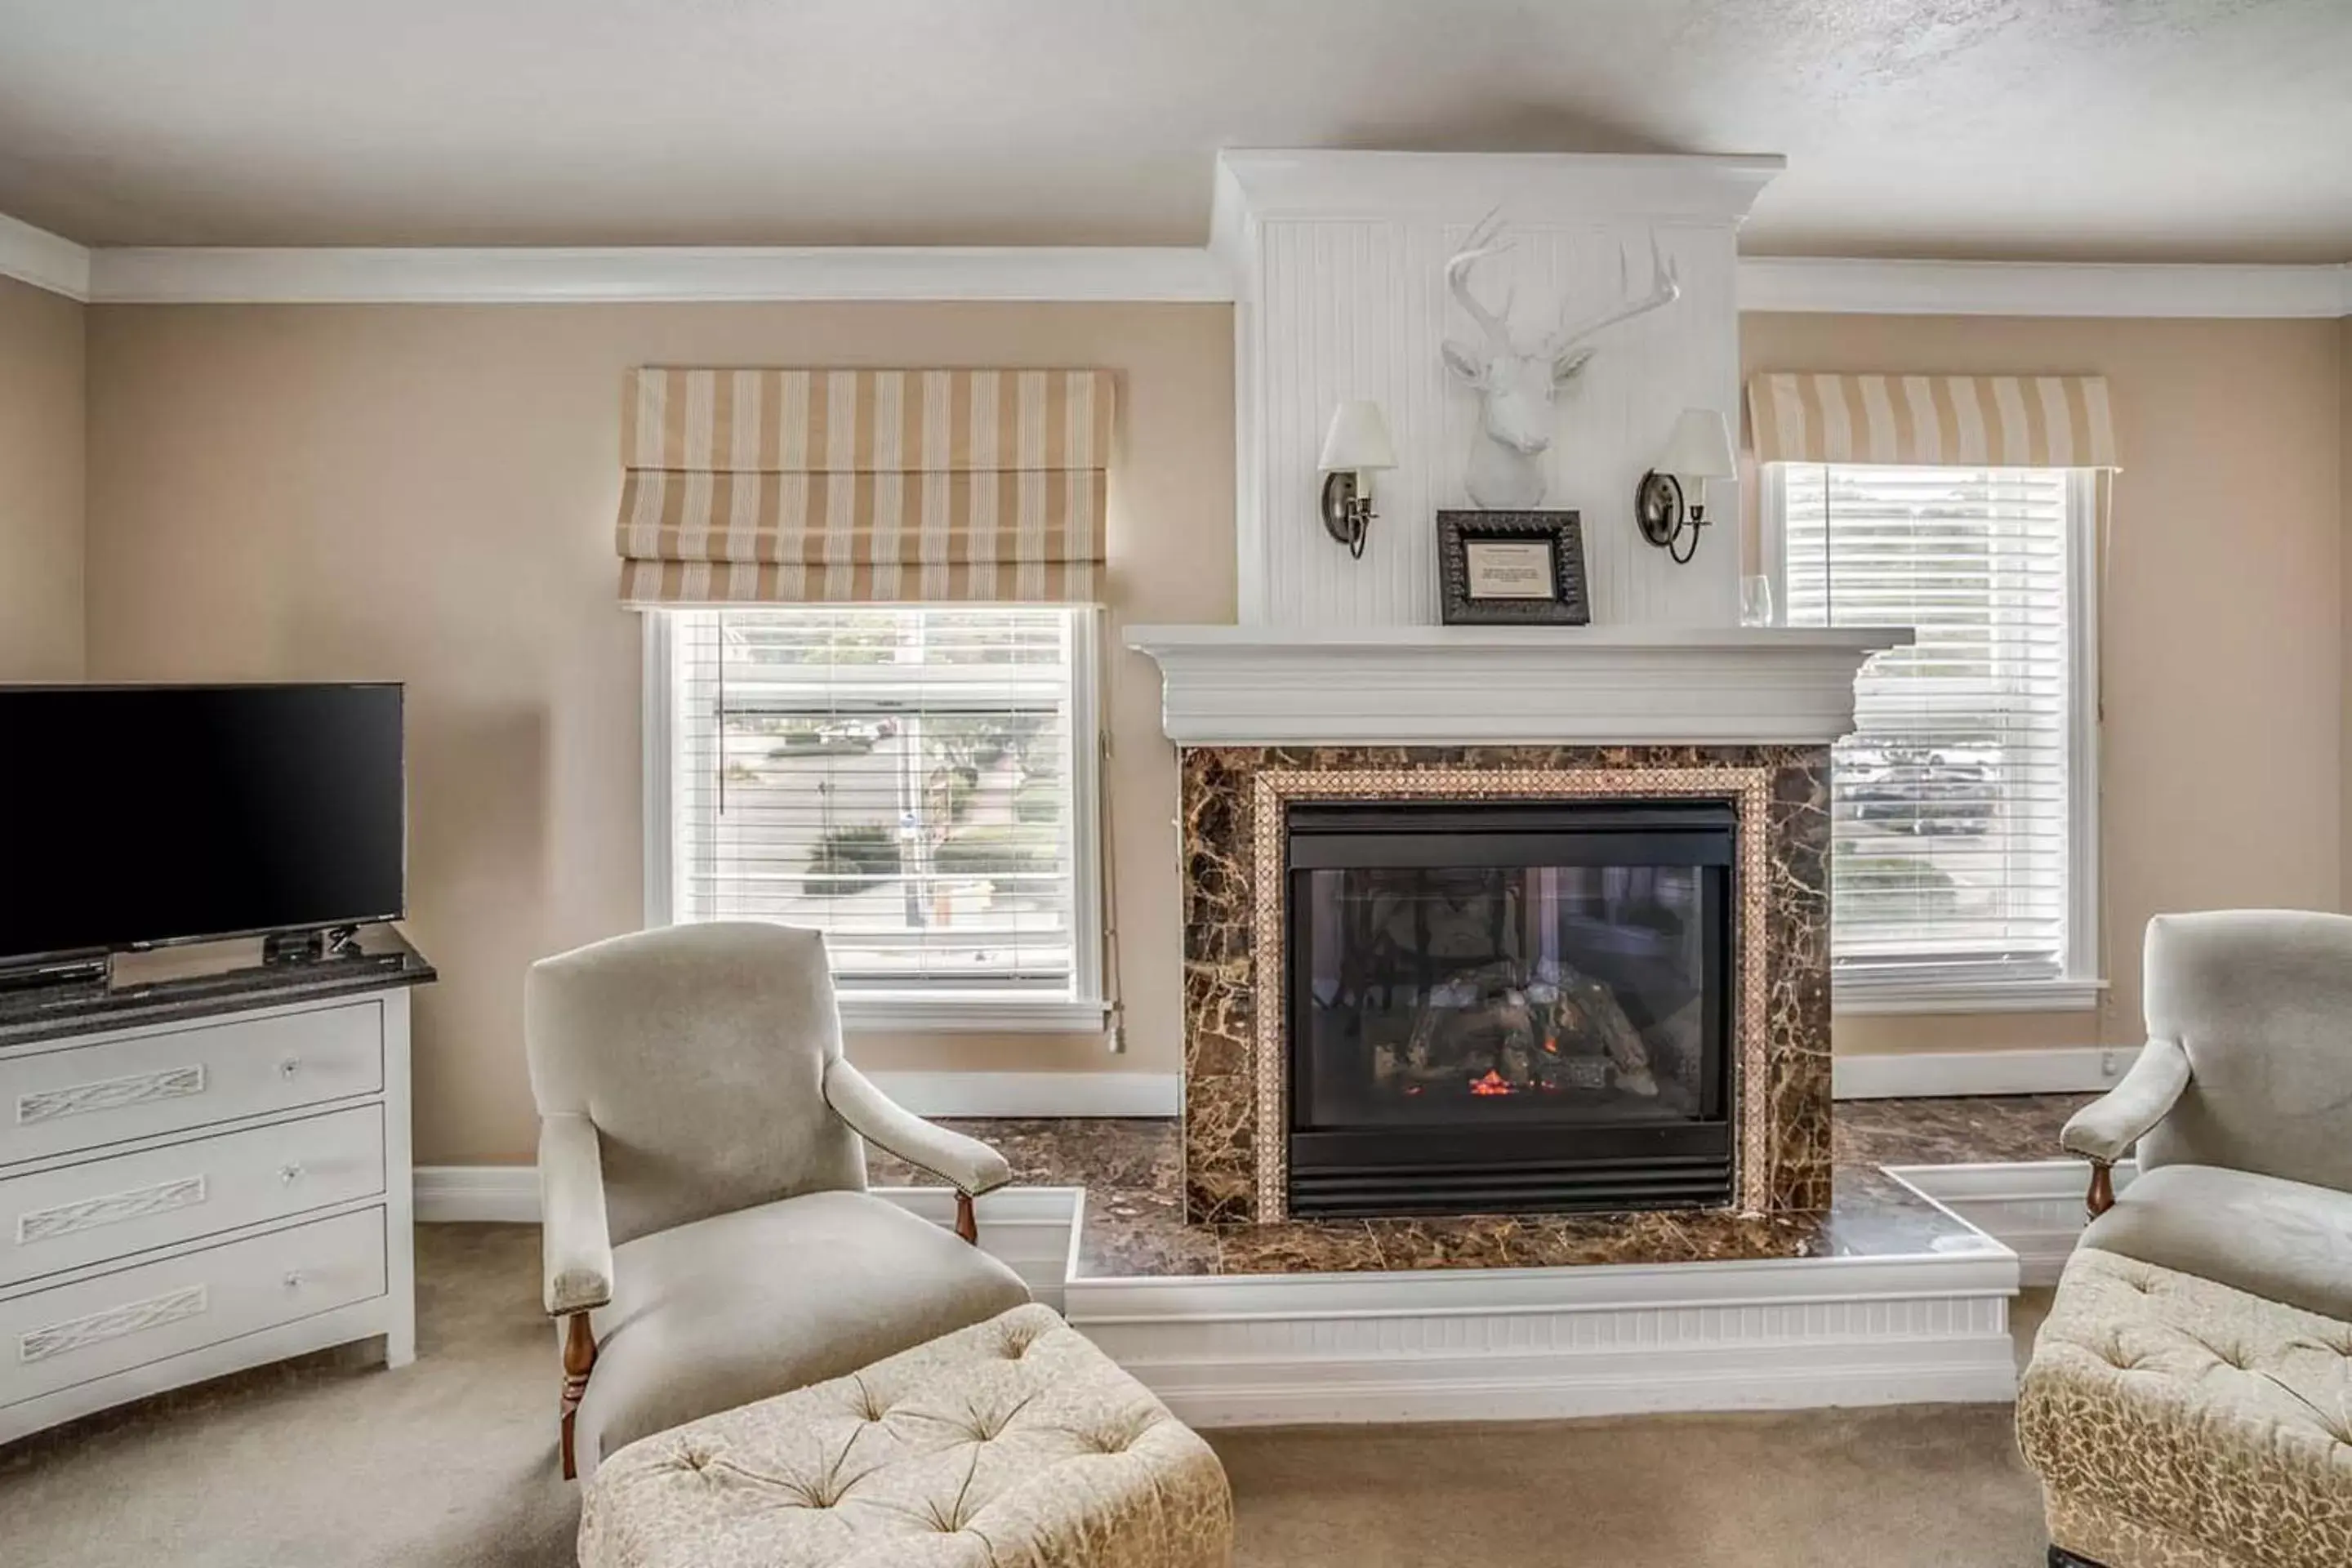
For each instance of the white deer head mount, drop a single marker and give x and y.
(1515, 389)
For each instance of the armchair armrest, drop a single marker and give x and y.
(2105, 1131)
(576, 1245)
(970, 1166)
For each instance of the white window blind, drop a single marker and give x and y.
(1952, 801)
(908, 779)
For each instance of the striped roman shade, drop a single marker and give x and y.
(864, 486)
(1935, 421)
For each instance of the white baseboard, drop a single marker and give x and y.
(1904, 1075)
(1034, 1093)
(2033, 1208)
(477, 1194)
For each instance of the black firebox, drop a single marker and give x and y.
(1508, 1007)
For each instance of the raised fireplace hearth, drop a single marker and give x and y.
(1509, 1006)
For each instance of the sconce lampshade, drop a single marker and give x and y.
(1358, 439)
(1700, 448)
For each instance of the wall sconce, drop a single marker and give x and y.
(1355, 446)
(1699, 451)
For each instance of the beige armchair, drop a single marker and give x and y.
(2241, 1107)
(709, 1237)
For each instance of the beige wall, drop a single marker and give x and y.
(40, 484)
(427, 493)
(2222, 656)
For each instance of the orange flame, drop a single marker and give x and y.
(1491, 1084)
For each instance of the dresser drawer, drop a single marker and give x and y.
(75, 1214)
(86, 1097)
(55, 1338)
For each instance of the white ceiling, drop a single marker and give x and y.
(2124, 130)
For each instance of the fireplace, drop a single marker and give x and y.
(1509, 1006)
(1659, 914)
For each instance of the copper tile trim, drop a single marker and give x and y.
(1748, 790)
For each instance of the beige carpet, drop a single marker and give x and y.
(452, 1462)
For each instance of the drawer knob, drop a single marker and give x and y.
(289, 1172)
(293, 1279)
(288, 1067)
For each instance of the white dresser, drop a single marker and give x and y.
(223, 1182)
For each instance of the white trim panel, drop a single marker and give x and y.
(651, 275)
(2034, 1207)
(1911, 1075)
(1512, 1344)
(1950, 996)
(1034, 1093)
(43, 259)
(970, 1013)
(1435, 685)
(1871, 287)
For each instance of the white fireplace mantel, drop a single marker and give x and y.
(1451, 685)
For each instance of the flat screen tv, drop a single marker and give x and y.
(136, 816)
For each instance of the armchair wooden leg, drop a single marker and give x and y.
(2103, 1189)
(967, 1227)
(579, 1360)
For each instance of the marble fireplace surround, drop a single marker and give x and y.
(1262, 715)
(1233, 800)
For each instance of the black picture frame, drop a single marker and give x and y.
(1459, 571)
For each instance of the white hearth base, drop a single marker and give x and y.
(1511, 1344)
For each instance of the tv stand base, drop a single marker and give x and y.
(309, 946)
(88, 969)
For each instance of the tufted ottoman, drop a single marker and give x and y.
(1012, 1441)
(2177, 1423)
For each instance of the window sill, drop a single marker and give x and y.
(1919, 996)
(968, 1012)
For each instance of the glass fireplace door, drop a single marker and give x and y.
(1514, 1006)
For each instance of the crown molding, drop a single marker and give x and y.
(1868, 288)
(652, 274)
(1314, 184)
(1168, 274)
(43, 259)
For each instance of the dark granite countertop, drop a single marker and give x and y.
(206, 980)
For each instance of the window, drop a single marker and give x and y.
(1964, 873)
(916, 782)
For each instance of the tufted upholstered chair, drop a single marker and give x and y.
(2241, 1105)
(709, 1237)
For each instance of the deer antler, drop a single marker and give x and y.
(1481, 245)
(1666, 289)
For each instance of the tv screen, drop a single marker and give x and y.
(132, 816)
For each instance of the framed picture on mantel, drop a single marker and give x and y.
(1511, 569)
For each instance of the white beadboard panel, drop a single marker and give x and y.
(1356, 306)
(1535, 1343)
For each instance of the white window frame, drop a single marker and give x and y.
(866, 1009)
(2082, 983)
